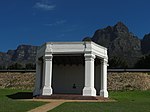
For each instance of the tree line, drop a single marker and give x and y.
(142, 63)
(18, 66)
(115, 62)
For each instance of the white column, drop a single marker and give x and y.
(47, 89)
(37, 78)
(89, 89)
(103, 91)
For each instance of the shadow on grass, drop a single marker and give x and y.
(21, 95)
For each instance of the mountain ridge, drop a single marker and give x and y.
(120, 43)
(24, 54)
(123, 47)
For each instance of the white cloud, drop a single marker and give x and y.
(72, 28)
(44, 6)
(61, 22)
(56, 23)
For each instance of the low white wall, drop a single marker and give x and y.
(64, 77)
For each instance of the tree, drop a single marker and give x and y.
(143, 62)
(15, 66)
(2, 67)
(87, 39)
(30, 66)
(117, 62)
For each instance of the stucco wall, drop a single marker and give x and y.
(66, 76)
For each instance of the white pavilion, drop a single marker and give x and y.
(71, 68)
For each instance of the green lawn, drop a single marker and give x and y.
(129, 101)
(8, 102)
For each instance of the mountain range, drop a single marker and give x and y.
(24, 54)
(122, 45)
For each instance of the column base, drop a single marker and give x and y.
(104, 93)
(47, 91)
(87, 91)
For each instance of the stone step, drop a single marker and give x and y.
(70, 97)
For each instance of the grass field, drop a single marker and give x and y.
(9, 102)
(129, 101)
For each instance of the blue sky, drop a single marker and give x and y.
(37, 21)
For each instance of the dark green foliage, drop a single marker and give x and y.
(30, 66)
(87, 39)
(15, 66)
(2, 68)
(19, 66)
(117, 62)
(144, 62)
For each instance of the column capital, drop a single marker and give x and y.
(89, 57)
(48, 57)
(104, 61)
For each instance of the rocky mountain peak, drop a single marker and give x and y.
(121, 27)
(23, 54)
(145, 43)
(24, 47)
(120, 42)
(123, 47)
(147, 37)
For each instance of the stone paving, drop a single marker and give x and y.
(54, 103)
(47, 107)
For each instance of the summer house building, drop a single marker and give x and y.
(71, 68)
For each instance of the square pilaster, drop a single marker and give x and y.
(89, 89)
(47, 89)
(103, 90)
